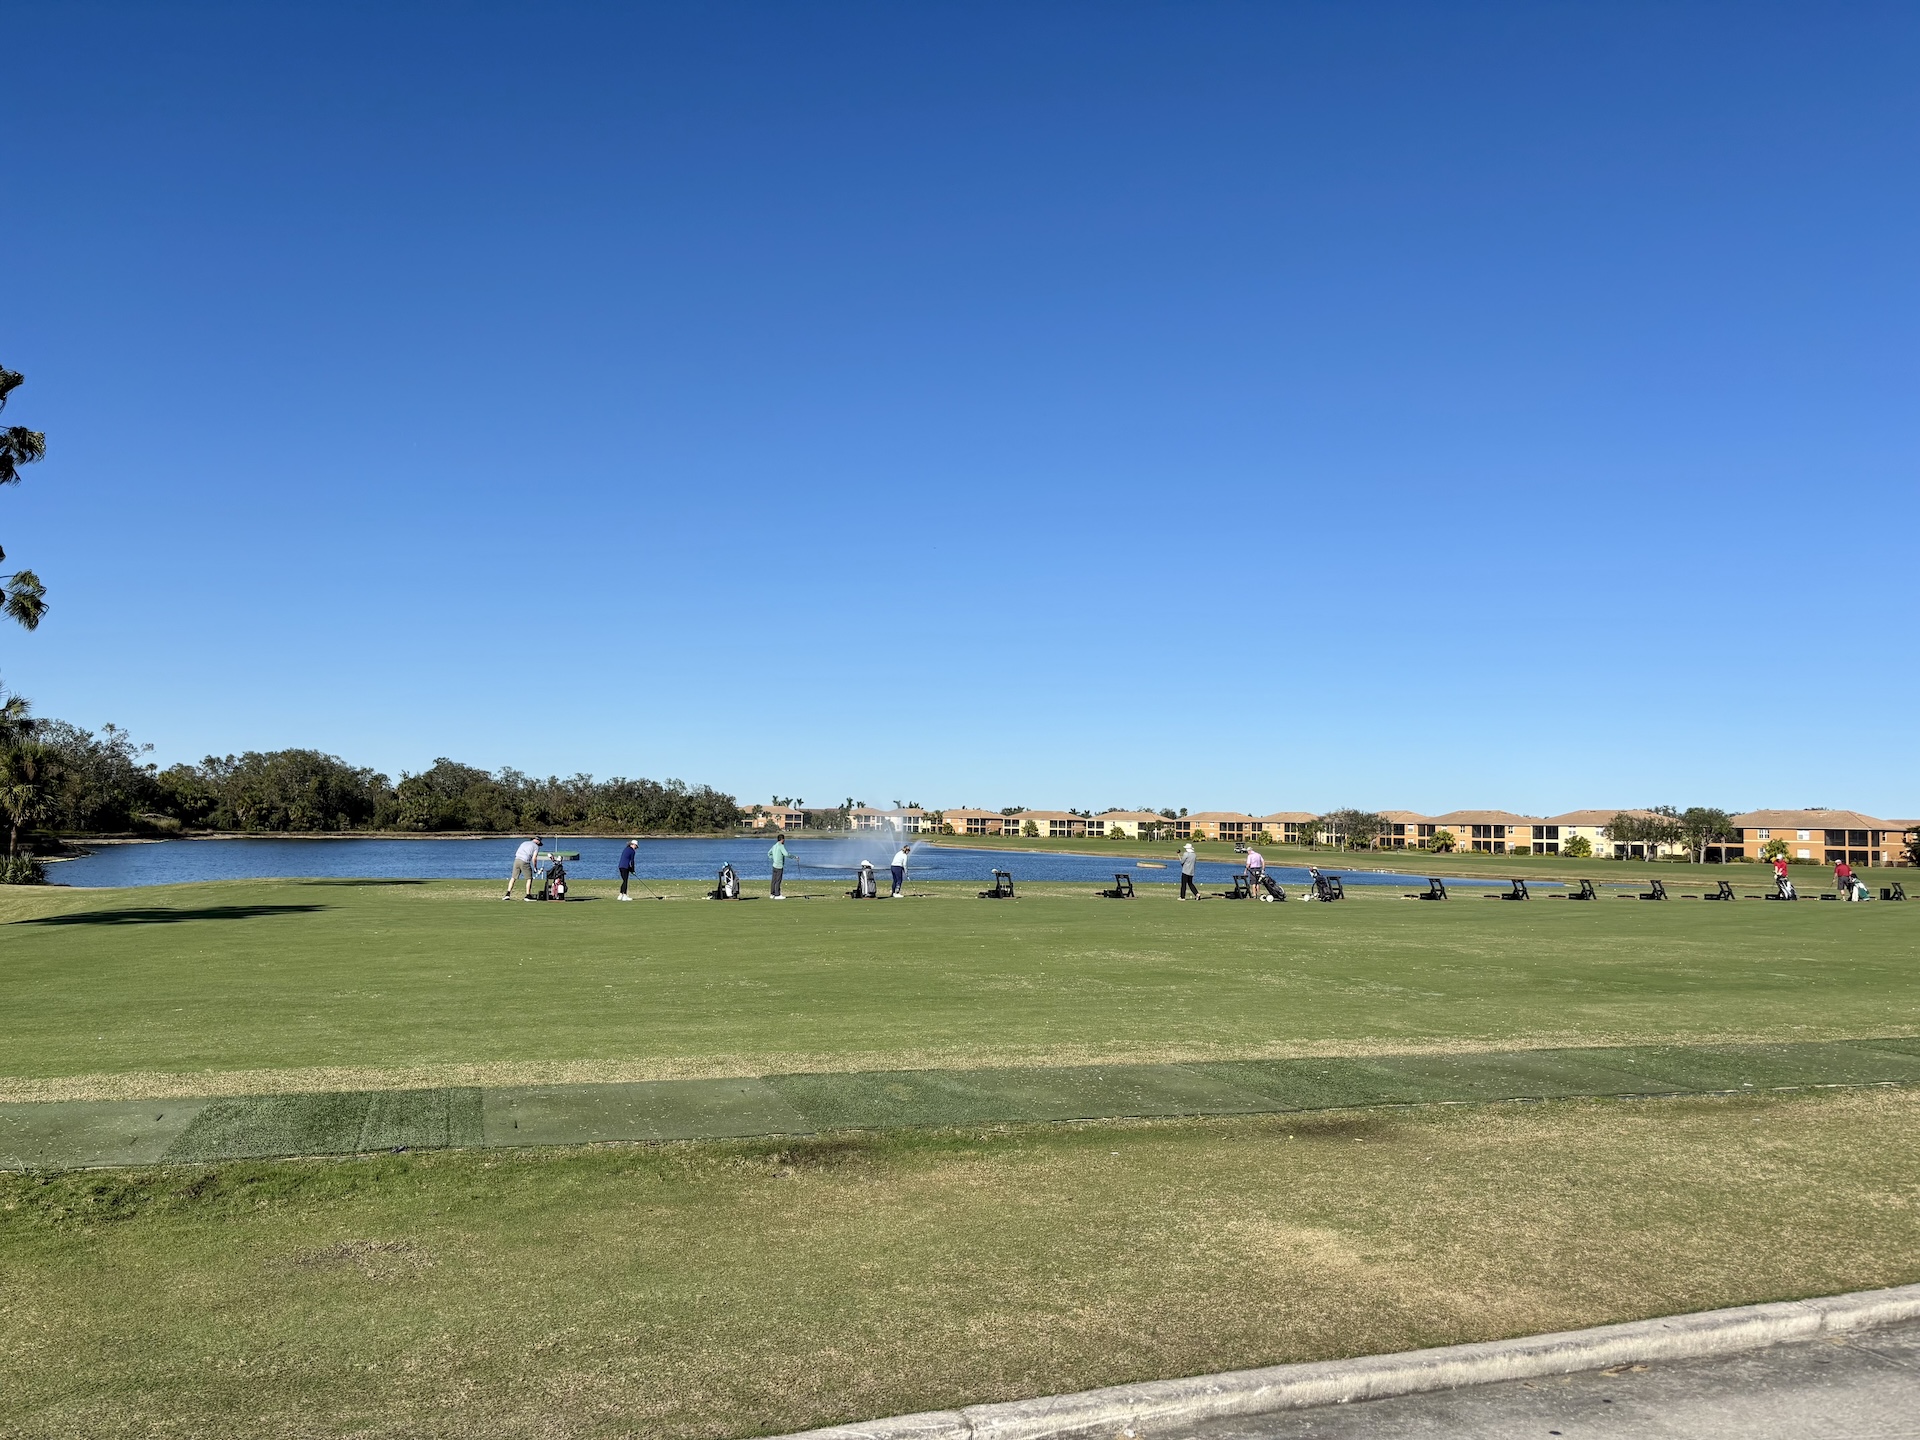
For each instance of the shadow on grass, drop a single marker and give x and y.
(157, 916)
(358, 883)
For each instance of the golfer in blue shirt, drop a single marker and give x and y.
(626, 867)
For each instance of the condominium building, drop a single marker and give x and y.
(1290, 827)
(1406, 830)
(1061, 824)
(1131, 822)
(1493, 832)
(908, 821)
(1822, 836)
(1828, 836)
(1227, 825)
(1595, 827)
(981, 822)
(778, 817)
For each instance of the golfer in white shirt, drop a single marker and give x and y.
(525, 859)
(900, 871)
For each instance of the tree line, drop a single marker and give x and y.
(55, 776)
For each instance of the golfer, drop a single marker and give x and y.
(778, 855)
(1256, 868)
(524, 860)
(1186, 873)
(626, 866)
(900, 871)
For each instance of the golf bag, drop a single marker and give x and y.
(728, 887)
(556, 888)
(864, 887)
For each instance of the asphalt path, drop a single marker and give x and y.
(1858, 1387)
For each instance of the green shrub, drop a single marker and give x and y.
(22, 869)
(1579, 847)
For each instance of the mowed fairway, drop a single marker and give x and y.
(722, 1289)
(240, 985)
(730, 1287)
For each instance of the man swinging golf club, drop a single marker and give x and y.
(524, 861)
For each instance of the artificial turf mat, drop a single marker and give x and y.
(342, 1123)
(66, 1134)
(651, 1110)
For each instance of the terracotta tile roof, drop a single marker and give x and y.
(1811, 820)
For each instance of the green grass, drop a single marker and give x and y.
(723, 1288)
(357, 985)
(732, 1288)
(75, 1133)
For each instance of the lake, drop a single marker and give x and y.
(174, 862)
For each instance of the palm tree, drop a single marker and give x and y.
(16, 719)
(22, 596)
(26, 788)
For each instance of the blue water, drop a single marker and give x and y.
(174, 862)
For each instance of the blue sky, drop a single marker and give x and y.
(1241, 406)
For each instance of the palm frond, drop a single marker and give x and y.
(26, 602)
(19, 446)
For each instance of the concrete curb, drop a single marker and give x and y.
(1168, 1404)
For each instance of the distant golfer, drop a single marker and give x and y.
(524, 860)
(900, 871)
(1256, 869)
(778, 855)
(1186, 873)
(626, 866)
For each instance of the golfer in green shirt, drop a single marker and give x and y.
(778, 855)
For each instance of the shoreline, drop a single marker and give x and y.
(85, 840)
